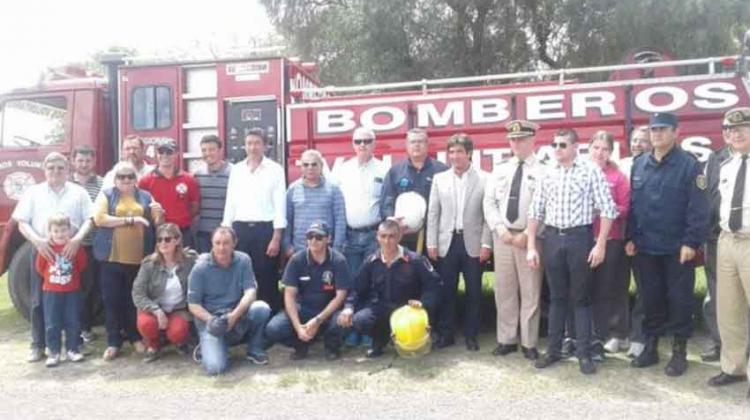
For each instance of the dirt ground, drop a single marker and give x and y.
(452, 383)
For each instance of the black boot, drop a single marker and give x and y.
(650, 354)
(678, 363)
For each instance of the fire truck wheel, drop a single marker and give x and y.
(18, 280)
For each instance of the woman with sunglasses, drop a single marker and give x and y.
(125, 216)
(611, 278)
(160, 290)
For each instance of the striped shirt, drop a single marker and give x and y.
(305, 205)
(92, 186)
(566, 197)
(213, 186)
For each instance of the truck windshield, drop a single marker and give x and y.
(33, 122)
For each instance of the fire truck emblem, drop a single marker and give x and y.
(16, 183)
(181, 188)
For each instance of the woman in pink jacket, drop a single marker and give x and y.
(611, 278)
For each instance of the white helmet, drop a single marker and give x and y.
(412, 208)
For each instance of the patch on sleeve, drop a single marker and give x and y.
(701, 182)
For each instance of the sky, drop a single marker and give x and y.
(38, 34)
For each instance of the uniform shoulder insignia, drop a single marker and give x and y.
(701, 182)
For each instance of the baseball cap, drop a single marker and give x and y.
(166, 143)
(320, 228)
(663, 119)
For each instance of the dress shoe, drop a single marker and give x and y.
(650, 354)
(725, 379)
(374, 352)
(443, 342)
(547, 360)
(678, 363)
(472, 344)
(587, 366)
(568, 348)
(530, 353)
(712, 354)
(504, 349)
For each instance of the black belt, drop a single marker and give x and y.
(566, 231)
(364, 229)
(253, 224)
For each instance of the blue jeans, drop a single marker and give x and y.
(358, 246)
(62, 311)
(215, 350)
(280, 330)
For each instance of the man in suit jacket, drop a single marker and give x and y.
(459, 238)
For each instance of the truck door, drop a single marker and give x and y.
(243, 115)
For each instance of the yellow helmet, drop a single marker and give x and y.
(410, 330)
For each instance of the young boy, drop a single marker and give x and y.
(61, 296)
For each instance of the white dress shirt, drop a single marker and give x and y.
(256, 196)
(40, 202)
(362, 187)
(459, 187)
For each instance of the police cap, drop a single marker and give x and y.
(521, 128)
(737, 116)
(663, 119)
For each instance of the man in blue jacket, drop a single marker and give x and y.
(667, 224)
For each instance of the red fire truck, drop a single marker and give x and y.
(187, 100)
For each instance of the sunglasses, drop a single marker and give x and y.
(165, 239)
(362, 141)
(315, 236)
(165, 151)
(309, 164)
(125, 176)
(559, 145)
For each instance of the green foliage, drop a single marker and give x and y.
(359, 41)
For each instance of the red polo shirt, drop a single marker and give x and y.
(175, 195)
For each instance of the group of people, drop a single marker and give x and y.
(167, 247)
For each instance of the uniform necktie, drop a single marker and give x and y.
(515, 191)
(735, 213)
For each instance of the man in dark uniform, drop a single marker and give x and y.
(412, 174)
(668, 222)
(713, 350)
(390, 278)
(316, 281)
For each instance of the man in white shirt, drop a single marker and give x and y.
(256, 209)
(38, 204)
(361, 182)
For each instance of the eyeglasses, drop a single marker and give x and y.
(122, 177)
(559, 145)
(165, 239)
(309, 164)
(315, 236)
(362, 141)
(55, 168)
(165, 151)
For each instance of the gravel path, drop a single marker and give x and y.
(449, 384)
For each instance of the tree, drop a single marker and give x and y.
(358, 41)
